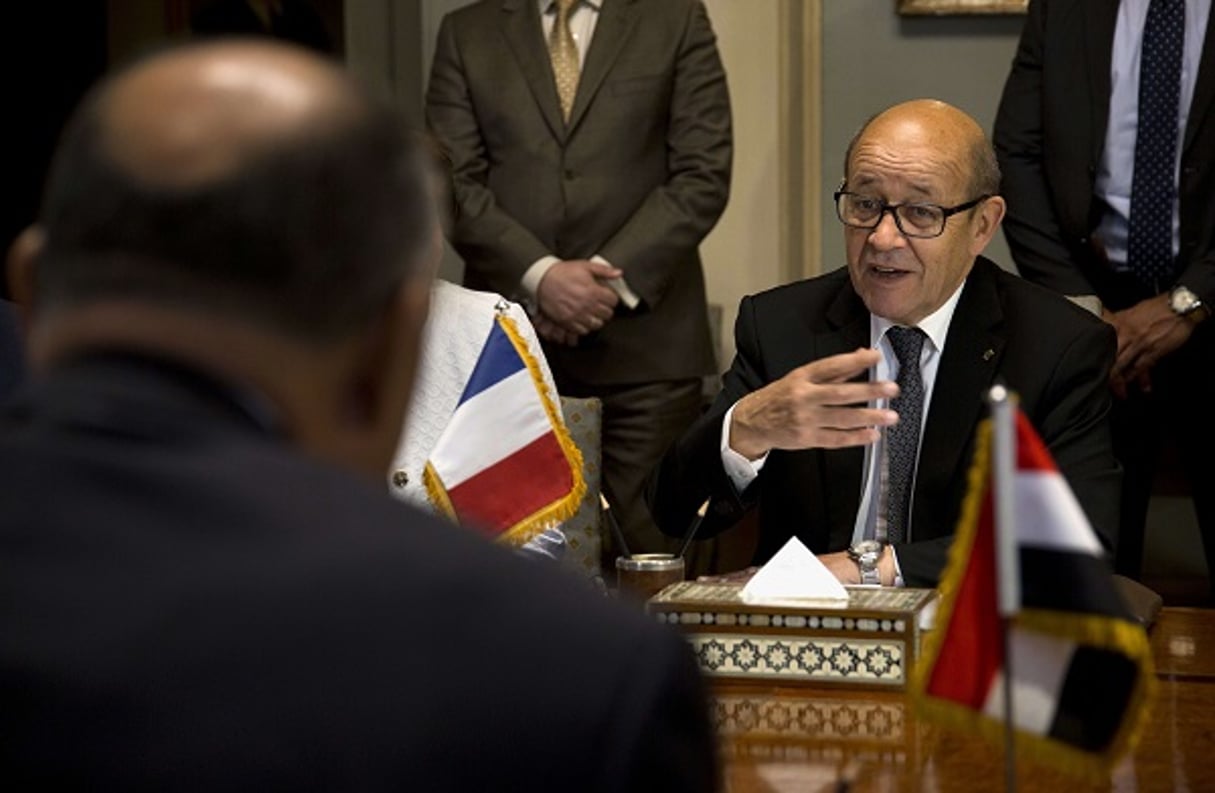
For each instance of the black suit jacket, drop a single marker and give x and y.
(1049, 136)
(12, 353)
(1054, 355)
(189, 604)
(639, 174)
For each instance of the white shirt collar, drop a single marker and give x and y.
(935, 325)
(550, 6)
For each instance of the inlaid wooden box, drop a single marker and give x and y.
(871, 643)
(822, 731)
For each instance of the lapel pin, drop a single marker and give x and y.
(988, 354)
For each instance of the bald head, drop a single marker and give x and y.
(929, 171)
(199, 115)
(243, 177)
(931, 123)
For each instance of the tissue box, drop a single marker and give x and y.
(869, 643)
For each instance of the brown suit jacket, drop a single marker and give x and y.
(639, 174)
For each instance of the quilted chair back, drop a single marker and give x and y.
(584, 418)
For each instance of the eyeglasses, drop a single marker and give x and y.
(921, 221)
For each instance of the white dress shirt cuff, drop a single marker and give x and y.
(535, 274)
(1090, 303)
(898, 571)
(741, 471)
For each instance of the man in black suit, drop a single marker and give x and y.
(587, 196)
(1083, 106)
(205, 585)
(803, 433)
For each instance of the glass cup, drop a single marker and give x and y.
(643, 575)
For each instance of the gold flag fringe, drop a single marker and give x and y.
(553, 513)
(1100, 631)
(436, 491)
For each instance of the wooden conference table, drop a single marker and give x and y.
(785, 739)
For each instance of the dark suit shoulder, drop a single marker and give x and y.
(484, 16)
(304, 605)
(808, 298)
(377, 547)
(1023, 302)
(482, 9)
(1026, 300)
(490, 11)
(673, 8)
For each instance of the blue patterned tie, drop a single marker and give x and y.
(903, 439)
(1153, 186)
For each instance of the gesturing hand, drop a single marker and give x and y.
(814, 406)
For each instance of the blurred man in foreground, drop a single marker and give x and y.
(205, 585)
(848, 416)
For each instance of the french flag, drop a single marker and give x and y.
(505, 463)
(1081, 665)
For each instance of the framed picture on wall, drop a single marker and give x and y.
(943, 7)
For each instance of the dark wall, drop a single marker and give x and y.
(54, 51)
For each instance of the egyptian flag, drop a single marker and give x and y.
(1081, 665)
(505, 463)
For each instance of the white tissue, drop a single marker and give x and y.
(796, 577)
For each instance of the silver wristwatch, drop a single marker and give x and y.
(866, 554)
(1184, 302)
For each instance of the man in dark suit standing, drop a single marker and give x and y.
(205, 585)
(848, 416)
(1105, 136)
(591, 148)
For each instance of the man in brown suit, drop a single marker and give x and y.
(586, 198)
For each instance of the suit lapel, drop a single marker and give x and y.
(617, 18)
(1100, 17)
(1204, 88)
(849, 322)
(523, 32)
(973, 350)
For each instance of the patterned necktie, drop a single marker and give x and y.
(564, 54)
(903, 439)
(1153, 186)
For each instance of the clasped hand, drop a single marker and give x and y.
(1147, 332)
(574, 300)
